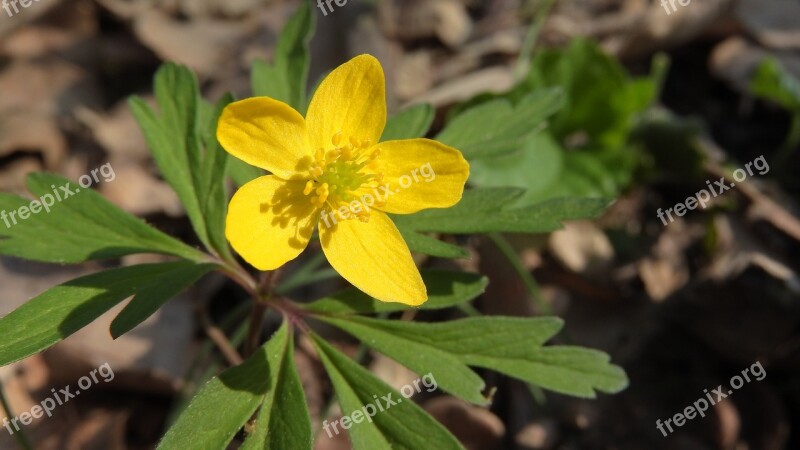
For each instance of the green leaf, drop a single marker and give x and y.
(547, 171)
(538, 164)
(65, 309)
(411, 123)
(601, 101)
(402, 426)
(142, 307)
(225, 403)
(568, 370)
(445, 289)
(82, 226)
(211, 182)
(422, 243)
(510, 345)
(587, 150)
(773, 82)
(452, 375)
(497, 127)
(185, 149)
(286, 79)
(283, 422)
(484, 211)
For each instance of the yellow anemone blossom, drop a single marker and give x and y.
(329, 169)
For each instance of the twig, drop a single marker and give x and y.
(219, 338)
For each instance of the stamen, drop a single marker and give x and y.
(339, 172)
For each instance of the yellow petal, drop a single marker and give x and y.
(421, 174)
(266, 133)
(374, 258)
(351, 100)
(270, 221)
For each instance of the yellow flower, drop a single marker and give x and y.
(326, 169)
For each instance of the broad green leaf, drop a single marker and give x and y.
(452, 375)
(422, 243)
(497, 127)
(225, 403)
(476, 213)
(286, 79)
(773, 82)
(538, 164)
(411, 123)
(445, 289)
(283, 422)
(547, 171)
(65, 309)
(402, 426)
(587, 150)
(81, 226)
(185, 149)
(510, 345)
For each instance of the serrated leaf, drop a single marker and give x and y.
(185, 149)
(476, 213)
(445, 289)
(83, 226)
(411, 123)
(286, 78)
(451, 374)
(568, 370)
(283, 422)
(65, 309)
(497, 127)
(510, 345)
(225, 403)
(403, 426)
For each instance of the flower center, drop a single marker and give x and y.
(338, 174)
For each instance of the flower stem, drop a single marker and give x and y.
(530, 284)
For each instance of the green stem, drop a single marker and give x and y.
(530, 284)
(22, 440)
(469, 310)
